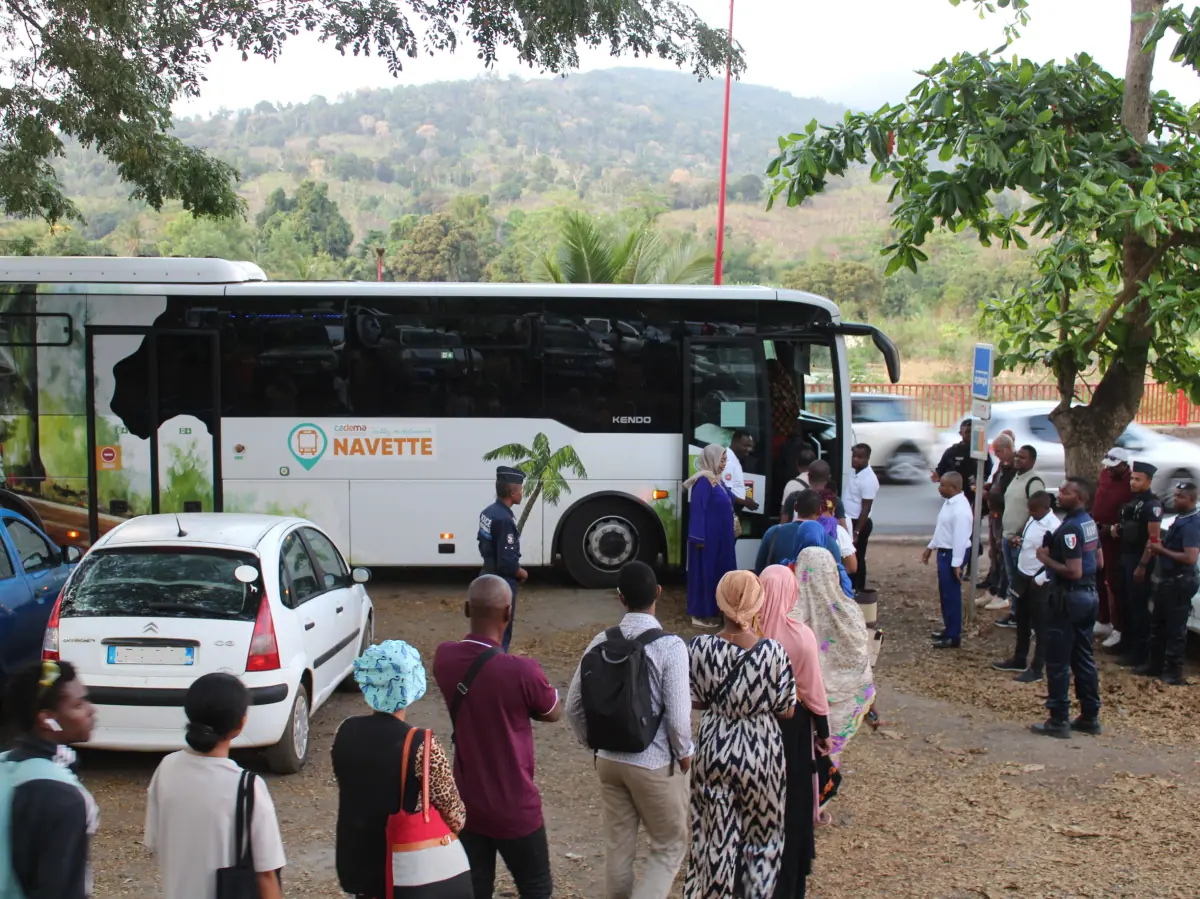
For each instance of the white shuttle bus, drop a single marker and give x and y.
(381, 410)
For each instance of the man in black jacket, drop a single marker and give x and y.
(52, 816)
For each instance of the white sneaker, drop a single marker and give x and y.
(982, 601)
(702, 624)
(1113, 639)
(1102, 630)
(997, 605)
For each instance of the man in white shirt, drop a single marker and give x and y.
(861, 489)
(952, 541)
(741, 445)
(1032, 586)
(650, 787)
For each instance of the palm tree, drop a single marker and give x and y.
(589, 255)
(542, 466)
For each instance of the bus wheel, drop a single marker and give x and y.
(602, 536)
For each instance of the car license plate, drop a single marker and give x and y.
(151, 655)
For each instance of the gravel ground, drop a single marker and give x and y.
(950, 798)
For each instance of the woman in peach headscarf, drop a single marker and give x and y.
(781, 591)
(744, 684)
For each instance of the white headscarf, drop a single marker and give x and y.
(710, 465)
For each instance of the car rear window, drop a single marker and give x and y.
(163, 583)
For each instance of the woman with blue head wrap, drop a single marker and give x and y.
(390, 675)
(370, 754)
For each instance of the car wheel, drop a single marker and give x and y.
(349, 684)
(602, 536)
(907, 466)
(291, 752)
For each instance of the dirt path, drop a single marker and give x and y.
(951, 798)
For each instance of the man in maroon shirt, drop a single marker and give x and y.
(1112, 492)
(492, 717)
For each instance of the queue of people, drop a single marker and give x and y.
(1072, 570)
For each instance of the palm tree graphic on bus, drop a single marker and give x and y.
(542, 466)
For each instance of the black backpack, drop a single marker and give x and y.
(614, 681)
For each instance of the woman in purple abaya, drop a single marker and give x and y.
(710, 536)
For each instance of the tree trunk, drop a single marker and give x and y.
(1139, 67)
(530, 502)
(1088, 432)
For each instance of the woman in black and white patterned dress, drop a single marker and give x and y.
(744, 684)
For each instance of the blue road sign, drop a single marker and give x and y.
(981, 374)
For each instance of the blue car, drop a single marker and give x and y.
(32, 572)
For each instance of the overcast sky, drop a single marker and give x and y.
(858, 52)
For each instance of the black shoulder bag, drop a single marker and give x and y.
(464, 685)
(241, 880)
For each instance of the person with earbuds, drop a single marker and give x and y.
(47, 817)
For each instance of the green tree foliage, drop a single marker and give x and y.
(856, 287)
(310, 217)
(187, 235)
(590, 254)
(107, 73)
(438, 248)
(1113, 172)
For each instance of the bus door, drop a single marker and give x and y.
(726, 391)
(153, 423)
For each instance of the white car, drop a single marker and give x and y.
(901, 443)
(1030, 421)
(162, 599)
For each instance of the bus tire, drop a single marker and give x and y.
(605, 534)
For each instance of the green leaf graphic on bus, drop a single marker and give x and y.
(543, 468)
(307, 443)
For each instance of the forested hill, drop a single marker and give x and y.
(601, 134)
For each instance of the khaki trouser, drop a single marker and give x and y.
(659, 801)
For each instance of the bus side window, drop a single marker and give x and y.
(616, 371)
(285, 358)
(425, 359)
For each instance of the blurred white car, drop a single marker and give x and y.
(1030, 422)
(901, 443)
(162, 599)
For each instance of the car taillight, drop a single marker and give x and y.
(264, 650)
(50, 641)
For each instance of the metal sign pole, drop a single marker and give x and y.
(982, 370)
(975, 537)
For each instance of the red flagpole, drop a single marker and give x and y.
(724, 156)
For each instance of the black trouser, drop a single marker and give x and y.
(1069, 652)
(859, 579)
(1032, 615)
(527, 859)
(1168, 624)
(1136, 637)
(512, 616)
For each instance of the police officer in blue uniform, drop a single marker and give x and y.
(1141, 520)
(1177, 555)
(1072, 560)
(499, 539)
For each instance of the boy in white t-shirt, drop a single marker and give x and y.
(862, 486)
(192, 801)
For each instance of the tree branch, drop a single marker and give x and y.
(1129, 294)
